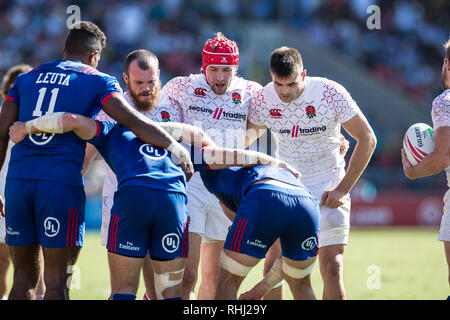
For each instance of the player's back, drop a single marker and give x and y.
(56, 86)
(231, 184)
(135, 162)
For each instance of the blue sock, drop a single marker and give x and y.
(123, 296)
(176, 298)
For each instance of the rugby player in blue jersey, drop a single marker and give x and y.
(270, 203)
(44, 191)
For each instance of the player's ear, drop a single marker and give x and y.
(304, 74)
(125, 77)
(94, 58)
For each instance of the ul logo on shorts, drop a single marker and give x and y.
(152, 152)
(170, 242)
(41, 138)
(51, 227)
(309, 244)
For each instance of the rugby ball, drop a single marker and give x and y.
(418, 142)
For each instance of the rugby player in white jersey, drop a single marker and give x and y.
(439, 159)
(216, 100)
(8, 80)
(305, 115)
(143, 92)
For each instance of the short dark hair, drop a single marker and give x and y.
(84, 37)
(143, 57)
(284, 61)
(11, 75)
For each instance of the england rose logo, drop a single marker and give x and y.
(236, 98)
(310, 112)
(165, 116)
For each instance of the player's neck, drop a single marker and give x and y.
(82, 59)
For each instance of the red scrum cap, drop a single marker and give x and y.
(220, 51)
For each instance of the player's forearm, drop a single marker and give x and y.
(63, 122)
(430, 165)
(188, 134)
(358, 162)
(89, 156)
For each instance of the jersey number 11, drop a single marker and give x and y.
(37, 111)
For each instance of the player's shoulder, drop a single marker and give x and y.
(442, 101)
(182, 80)
(246, 85)
(85, 70)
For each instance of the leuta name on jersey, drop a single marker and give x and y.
(54, 78)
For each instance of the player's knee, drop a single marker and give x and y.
(168, 285)
(331, 268)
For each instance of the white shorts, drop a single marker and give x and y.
(107, 204)
(444, 231)
(334, 222)
(206, 215)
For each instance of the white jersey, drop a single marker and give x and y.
(307, 130)
(166, 110)
(222, 117)
(440, 114)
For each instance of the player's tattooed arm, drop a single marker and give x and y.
(188, 134)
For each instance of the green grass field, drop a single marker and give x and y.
(401, 263)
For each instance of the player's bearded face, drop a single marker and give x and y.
(219, 78)
(144, 90)
(289, 88)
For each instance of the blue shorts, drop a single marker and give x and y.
(268, 212)
(44, 212)
(148, 220)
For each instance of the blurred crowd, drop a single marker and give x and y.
(406, 52)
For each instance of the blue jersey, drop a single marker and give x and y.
(135, 162)
(56, 86)
(230, 185)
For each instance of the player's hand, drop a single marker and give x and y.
(2, 207)
(344, 146)
(17, 131)
(407, 166)
(284, 165)
(184, 160)
(333, 198)
(255, 293)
